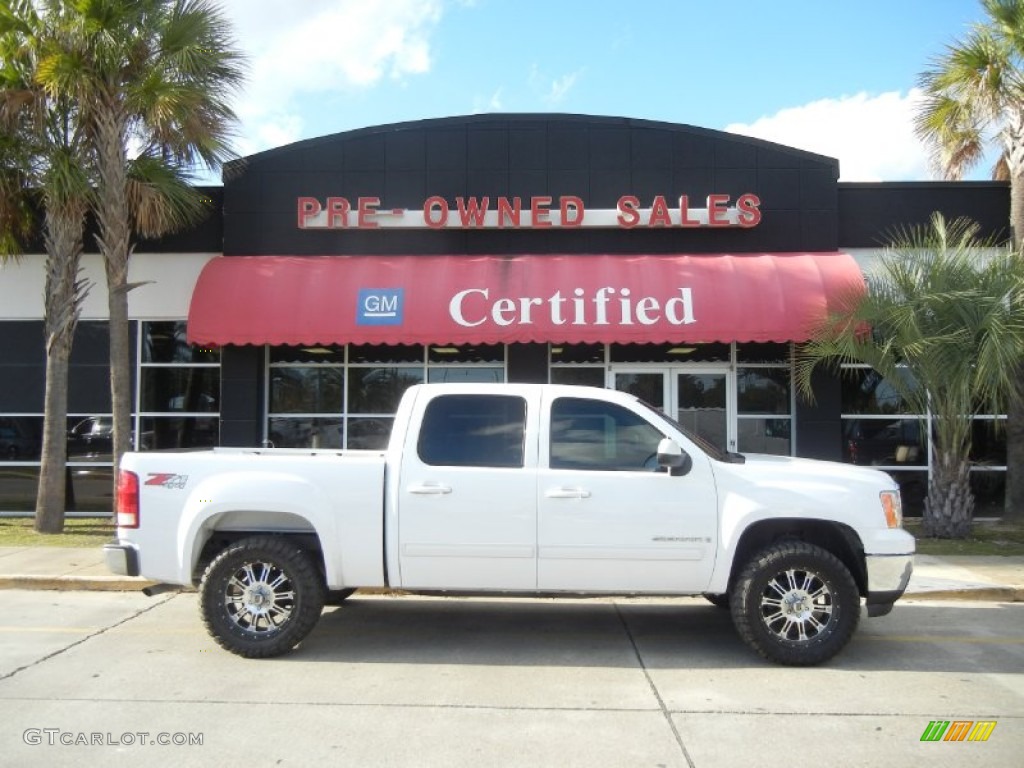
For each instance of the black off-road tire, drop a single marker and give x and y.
(338, 596)
(719, 601)
(795, 603)
(261, 596)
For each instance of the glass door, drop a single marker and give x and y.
(702, 404)
(649, 386)
(701, 398)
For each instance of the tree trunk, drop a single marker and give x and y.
(63, 296)
(115, 244)
(50, 496)
(949, 507)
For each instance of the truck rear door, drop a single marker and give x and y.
(466, 495)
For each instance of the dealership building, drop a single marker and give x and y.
(678, 263)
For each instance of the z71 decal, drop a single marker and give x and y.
(167, 480)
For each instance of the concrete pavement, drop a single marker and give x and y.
(64, 568)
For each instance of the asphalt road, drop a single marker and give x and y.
(104, 678)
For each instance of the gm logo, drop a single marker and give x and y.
(380, 306)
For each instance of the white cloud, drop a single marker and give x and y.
(872, 136)
(551, 91)
(493, 104)
(560, 87)
(320, 47)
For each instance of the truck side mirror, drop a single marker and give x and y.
(673, 458)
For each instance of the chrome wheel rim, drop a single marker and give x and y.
(260, 597)
(797, 605)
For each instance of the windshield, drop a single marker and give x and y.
(711, 450)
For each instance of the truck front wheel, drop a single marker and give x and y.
(261, 596)
(795, 603)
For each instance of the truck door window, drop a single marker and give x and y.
(473, 431)
(591, 434)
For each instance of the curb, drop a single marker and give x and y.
(75, 583)
(990, 594)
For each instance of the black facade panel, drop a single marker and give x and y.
(528, 363)
(22, 343)
(89, 389)
(241, 383)
(779, 189)
(484, 182)
(692, 150)
(487, 149)
(446, 149)
(405, 151)
(695, 183)
(364, 152)
(596, 159)
(818, 426)
(869, 214)
(609, 149)
(568, 148)
(651, 148)
(527, 149)
(648, 182)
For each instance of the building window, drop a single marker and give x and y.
(764, 399)
(178, 393)
(347, 396)
(881, 430)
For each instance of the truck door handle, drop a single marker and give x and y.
(567, 493)
(430, 489)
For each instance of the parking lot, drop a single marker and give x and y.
(418, 681)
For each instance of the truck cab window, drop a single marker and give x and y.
(591, 434)
(473, 431)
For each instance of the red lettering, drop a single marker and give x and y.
(718, 210)
(627, 206)
(749, 209)
(308, 208)
(435, 212)
(472, 213)
(571, 209)
(539, 212)
(337, 212)
(659, 213)
(684, 213)
(509, 213)
(367, 210)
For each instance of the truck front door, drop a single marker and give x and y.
(608, 518)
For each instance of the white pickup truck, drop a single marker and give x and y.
(517, 489)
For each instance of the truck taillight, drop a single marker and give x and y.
(127, 499)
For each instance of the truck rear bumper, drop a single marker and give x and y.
(888, 576)
(121, 559)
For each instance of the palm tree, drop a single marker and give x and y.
(43, 157)
(946, 332)
(153, 79)
(974, 95)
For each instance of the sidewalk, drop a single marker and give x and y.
(972, 578)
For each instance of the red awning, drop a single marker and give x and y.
(505, 299)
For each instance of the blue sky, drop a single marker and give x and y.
(831, 77)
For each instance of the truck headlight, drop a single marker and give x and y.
(892, 507)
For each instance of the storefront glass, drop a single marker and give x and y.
(346, 397)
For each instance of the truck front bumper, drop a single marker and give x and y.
(888, 576)
(121, 559)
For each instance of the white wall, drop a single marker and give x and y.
(169, 278)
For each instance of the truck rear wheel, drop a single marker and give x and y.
(261, 596)
(795, 603)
